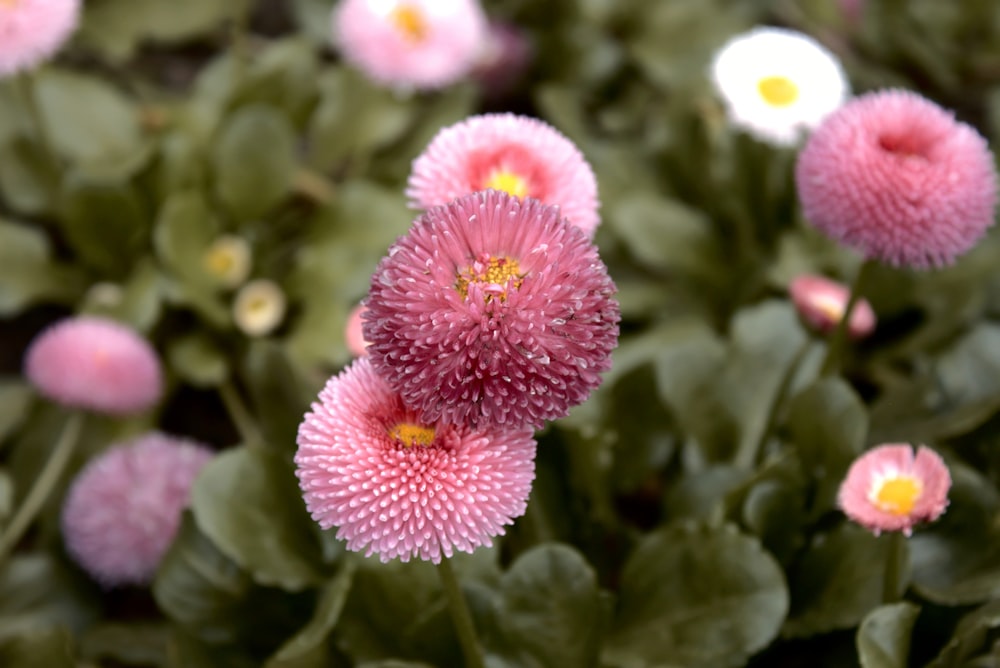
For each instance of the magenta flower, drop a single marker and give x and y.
(888, 489)
(123, 509)
(898, 178)
(31, 31)
(401, 487)
(422, 44)
(519, 155)
(492, 311)
(95, 364)
(821, 303)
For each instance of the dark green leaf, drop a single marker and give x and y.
(15, 397)
(29, 181)
(970, 637)
(198, 360)
(883, 638)
(27, 272)
(44, 647)
(183, 231)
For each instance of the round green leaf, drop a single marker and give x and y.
(198, 360)
(27, 272)
(183, 231)
(883, 638)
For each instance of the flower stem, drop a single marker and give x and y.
(25, 84)
(831, 364)
(460, 616)
(241, 417)
(897, 556)
(44, 484)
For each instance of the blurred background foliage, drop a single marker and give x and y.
(684, 516)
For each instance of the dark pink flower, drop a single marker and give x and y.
(31, 31)
(517, 154)
(888, 489)
(492, 311)
(821, 302)
(898, 178)
(123, 509)
(95, 364)
(401, 487)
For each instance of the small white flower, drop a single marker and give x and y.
(228, 260)
(259, 307)
(778, 84)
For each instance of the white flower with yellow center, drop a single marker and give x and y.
(228, 260)
(259, 307)
(778, 84)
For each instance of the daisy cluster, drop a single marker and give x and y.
(492, 315)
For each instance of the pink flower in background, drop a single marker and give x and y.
(888, 489)
(31, 31)
(123, 509)
(397, 486)
(503, 59)
(95, 364)
(898, 178)
(491, 310)
(423, 44)
(519, 155)
(353, 335)
(821, 303)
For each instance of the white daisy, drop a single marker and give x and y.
(778, 84)
(259, 307)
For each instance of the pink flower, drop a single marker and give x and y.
(31, 31)
(897, 177)
(888, 489)
(492, 311)
(95, 364)
(522, 156)
(821, 303)
(503, 59)
(123, 509)
(422, 44)
(353, 335)
(395, 485)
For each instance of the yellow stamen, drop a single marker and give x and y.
(509, 182)
(410, 21)
(898, 495)
(409, 434)
(778, 91)
(496, 271)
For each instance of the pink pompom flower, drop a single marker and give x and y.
(423, 44)
(95, 364)
(491, 310)
(821, 303)
(898, 178)
(520, 155)
(32, 31)
(398, 486)
(123, 509)
(353, 334)
(888, 489)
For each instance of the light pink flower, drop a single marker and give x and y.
(95, 364)
(491, 310)
(821, 303)
(353, 335)
(898, 178)
(888, 489)
(519, 155)
(31, 31)
(123, 509)
(401, 487)
(423, 44)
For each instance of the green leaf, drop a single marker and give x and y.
(247, 501)
(15, 398)
(27, 272)
(283, 75)
(51, 647)
(253, 161)
(138, 302)
(133, 643)
(38, 591)
(184, 229)
(883, 639)
(696, 597)
(29, 182)
(278, 398)
(972, 636)
(198, 360)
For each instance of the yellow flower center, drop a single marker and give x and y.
(219, 261)
(409, 434)
(778, 91)
(898, 495)
(830, 306)
(509, 182)
(410, 21)
(493, 273)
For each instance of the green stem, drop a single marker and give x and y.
(25, 84)
(831, 364)
(460, 616)
(895, 565)
(44, 484)
(241, 417)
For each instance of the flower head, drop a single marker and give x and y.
(227, 260)
(778, 84)
(898, 178)
(422, 44)
(95, 364)
(31, 31)
(492, 311)
(353, 333)
(821, 303)
(259, 307)
(519, 155)
(398, 486)
(123, 509)
(888, 489)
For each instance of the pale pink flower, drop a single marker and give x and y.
(888, 489)
(32, 31)
(397, 486)
(123, 509)
(821, 303)
(898, 178)
(492, 310)
(520, 155)
(353, 334)
(423, 44)
(95, 364)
